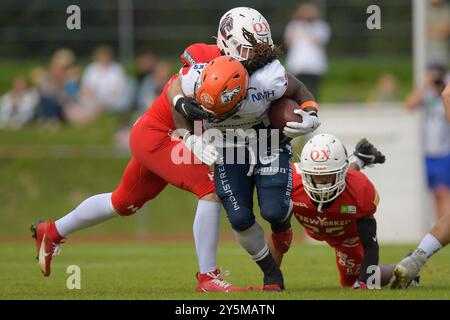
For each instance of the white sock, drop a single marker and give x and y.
(90, 212)
(430, 245)
(253, 241)
(206, 234)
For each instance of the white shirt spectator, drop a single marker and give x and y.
(436, 129)
(105, 82)
(15, 111)
(307, 41)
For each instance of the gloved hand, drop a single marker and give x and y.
(367, 154)
(359, 285)
(187, 106)
(204, 151)
(309, 124)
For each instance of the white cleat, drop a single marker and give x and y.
(408, 269)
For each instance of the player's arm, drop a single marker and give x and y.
(185, 106)
(205, 152)
(297, 91)
(446, 100)
(367, 228)
(309, 109)
(414, 99)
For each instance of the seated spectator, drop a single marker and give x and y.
(386, 90)
(18, 106)
(145, 62)
(102, 87)
(58, 88)
(152, 85)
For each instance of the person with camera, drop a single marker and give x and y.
(435, 135)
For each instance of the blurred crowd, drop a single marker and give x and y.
(63, 92)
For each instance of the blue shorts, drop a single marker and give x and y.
(438, 171)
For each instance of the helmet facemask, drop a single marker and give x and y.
(216, 118)
(323, 167)
(321, 192)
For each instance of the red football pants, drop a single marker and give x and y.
(152, 168)
(348, 262)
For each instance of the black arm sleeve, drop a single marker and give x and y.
(368, 234)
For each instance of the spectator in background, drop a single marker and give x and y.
(438, 31)
(386, 90)
(436, 135)
(18, 106)
(306, 37)
(58, 88)
(145, 62)
(446, 100)
(152, 85)
(103, 86)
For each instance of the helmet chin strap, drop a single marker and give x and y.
(322, 185)
(319, 208)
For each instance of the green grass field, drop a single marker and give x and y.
(137, 270)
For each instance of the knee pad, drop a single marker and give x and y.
(274, 211)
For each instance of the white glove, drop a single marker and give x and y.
(309, 124)
(205, 152)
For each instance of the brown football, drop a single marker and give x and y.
(282, 111)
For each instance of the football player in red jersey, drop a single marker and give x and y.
(151, 168)
(336, 204)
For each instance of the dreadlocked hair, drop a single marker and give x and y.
(263, 53)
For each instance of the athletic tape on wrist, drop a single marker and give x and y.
(311, 104)
(175, 99)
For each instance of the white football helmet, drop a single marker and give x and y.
(323, 154)
(230, 38)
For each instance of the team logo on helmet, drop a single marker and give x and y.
(207, 100)
(320, 155)
(226, 25)
(261, 28)
(228, 96)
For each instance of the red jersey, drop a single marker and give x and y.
(160, 113)
(338, 221)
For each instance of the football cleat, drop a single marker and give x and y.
(406, 273)
(282, 240)
(368, 154)
(273, 282)
(48, 243)
(214, 282)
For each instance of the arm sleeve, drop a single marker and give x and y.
(188, 80)
(367, 229)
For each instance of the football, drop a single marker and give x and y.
(282, 111)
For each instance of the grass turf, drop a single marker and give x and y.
(136, 270)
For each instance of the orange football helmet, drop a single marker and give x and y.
(221, 87)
